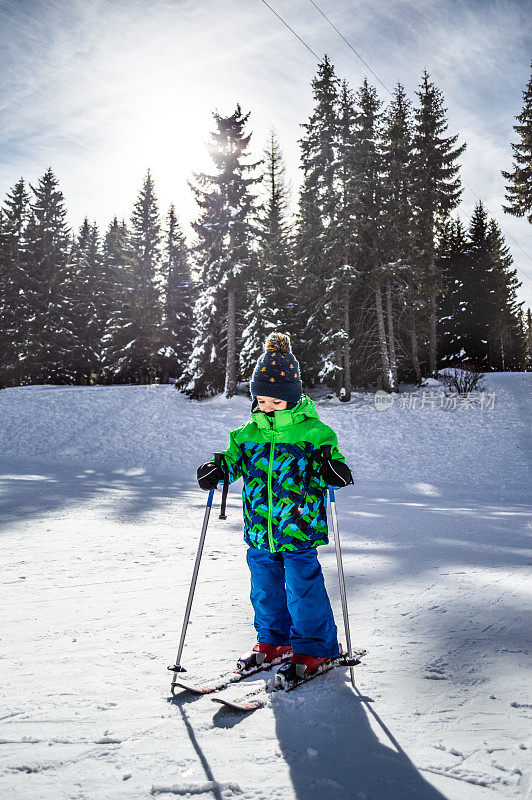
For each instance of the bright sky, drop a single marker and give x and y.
(102, 90)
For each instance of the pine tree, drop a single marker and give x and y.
(397, 179)
(436, 192)
(489, 297)
(316, 246)
(13, 257)
(519, 190)
(89, 288)
(224, 254)
(49, 336)
(178, 302)
(506, 340)
(458, 336)
(271, 289)
(119, 328)
(344, 277)
(371, 254)
(139, 322)
(481, 293)
(7, 357)
(528, 340)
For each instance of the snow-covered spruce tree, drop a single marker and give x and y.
(436, 192)
(145, 248)
(223, 254)
(457, 316)
(528, 341)
(89, 288)
(13, 310)
(522, 342)
(342, 281)
(178, 302)
(271, 288)
(519, 190)
(316, 245)
(119, 329)
(371, 256)
(7, 357)
(398, 275)
(497, 340)
(506, 337)
(481, 298)
(137, 359)
(49, 337)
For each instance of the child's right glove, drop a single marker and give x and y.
(334, 472)
(209, 475)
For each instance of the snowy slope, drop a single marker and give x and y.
(99, 525)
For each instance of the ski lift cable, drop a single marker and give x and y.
(377, 77)
(316, 6)
(291, 29)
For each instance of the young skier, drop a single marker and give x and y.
(286, 457)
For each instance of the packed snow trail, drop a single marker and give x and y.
(99, 526)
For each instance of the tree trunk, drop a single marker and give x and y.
(346, 351)
(338, 361)
(433, 347)
(391, 333)
(501, 342)
(230, 365)
(413, 341)
(385, 361)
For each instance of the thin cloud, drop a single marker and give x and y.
(103, 90)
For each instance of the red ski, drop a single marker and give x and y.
(248, 702)
(227, 678)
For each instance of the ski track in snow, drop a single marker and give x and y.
(99, 523)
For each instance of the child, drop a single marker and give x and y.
(286, 457)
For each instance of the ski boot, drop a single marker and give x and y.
(294, 670)
(262, 653)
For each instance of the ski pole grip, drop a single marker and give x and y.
(219, 462)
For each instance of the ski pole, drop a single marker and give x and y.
(176, 668)
(350, 659)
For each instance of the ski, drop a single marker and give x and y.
(226, 678)
(248, 702)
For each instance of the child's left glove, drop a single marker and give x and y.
(334, 473)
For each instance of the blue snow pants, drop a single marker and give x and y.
(290, 601)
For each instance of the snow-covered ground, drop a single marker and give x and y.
(99, 526)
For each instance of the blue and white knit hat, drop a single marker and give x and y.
(277, 371)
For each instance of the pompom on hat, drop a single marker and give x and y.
(277, 371)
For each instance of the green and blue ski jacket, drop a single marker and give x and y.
(284, 497)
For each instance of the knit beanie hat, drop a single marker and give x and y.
(277, 371)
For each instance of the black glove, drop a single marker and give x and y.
(209, 475)
(334, 472)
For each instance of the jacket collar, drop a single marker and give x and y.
(283, 419)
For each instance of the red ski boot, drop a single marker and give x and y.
(298, 666)
(263, 653)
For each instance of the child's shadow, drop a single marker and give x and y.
(326, 739)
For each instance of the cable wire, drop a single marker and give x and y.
(291, 29)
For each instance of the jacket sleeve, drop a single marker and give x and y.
(233, 458)
(334, 471)
(329, 437)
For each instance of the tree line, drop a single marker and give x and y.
(372, 278)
